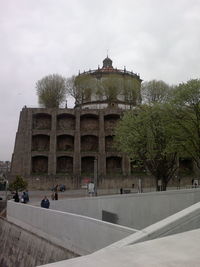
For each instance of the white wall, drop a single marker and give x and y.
(185, 220)
(76, 233)
(133, 210)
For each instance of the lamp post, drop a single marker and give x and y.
(6, 188)
(95, 175)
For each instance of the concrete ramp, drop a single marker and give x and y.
(181, 250)
(182, 221)
(147, 248)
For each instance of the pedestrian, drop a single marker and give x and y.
(27, 196)
(91, 189)
(53, 196)
(179, 183)
(16, 197)
(56, 195)
(56, 188)
(121, 190)
(24, 198)
(45, 203)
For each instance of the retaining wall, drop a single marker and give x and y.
(133, 210)
(2, 205)
(77, 233)
(20, 248)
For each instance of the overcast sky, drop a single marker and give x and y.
(157, 39)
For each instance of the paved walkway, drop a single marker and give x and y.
(36, 196)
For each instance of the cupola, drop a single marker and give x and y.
(107, 63)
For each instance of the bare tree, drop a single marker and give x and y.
(73, 89)
(155, 92)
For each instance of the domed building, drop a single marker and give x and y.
(68, 146)
(108, 87)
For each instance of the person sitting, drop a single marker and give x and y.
(23, 198)
(45, 203)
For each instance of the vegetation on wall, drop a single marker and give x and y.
(51, 91)
(74, 90)
(108, 87)
(131, 91)
(111, 88)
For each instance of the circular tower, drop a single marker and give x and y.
(107, 87)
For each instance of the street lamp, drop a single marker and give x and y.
(95, 175)
(6, 188)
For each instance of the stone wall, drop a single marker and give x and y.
(60, 143)
(80, 234)
(55, 146)
(2, 206)
(20, 248)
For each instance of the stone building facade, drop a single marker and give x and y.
(62, 145)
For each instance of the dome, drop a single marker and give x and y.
(108, 87)
(107, 63)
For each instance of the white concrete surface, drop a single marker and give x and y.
(181, 250)
(185, 220)
(116, 245)
(134, 210)
(76, 233)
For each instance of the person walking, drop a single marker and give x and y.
(56, 195)
(91, 189)
(26, 196)
(45, 203)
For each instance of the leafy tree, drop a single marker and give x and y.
(111, 89)
(51, 91)
(132, 92)
(107, 88)
(144, 135)
(185, 124)
(19, 184)
(155, 92)
(79, 89)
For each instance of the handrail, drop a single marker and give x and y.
(110, 70)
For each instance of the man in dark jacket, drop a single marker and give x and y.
(45, 203)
